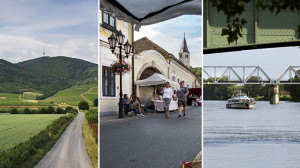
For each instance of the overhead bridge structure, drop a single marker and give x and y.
(250, 75)
(263, 29)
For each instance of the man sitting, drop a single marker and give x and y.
(136, 105)
(126, 104)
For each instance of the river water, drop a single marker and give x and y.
(267, 136)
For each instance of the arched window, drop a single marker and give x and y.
(188, 86)
(178, 80)
(148, 72)
(186, 56)
(180, 55)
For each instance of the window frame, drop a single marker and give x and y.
(108, 25)
(111, 82)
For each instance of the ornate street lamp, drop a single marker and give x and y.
(112, 42)
(127, 47)
(120, 38)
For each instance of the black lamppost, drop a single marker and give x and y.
(127, 47)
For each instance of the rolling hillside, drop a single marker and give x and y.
(47, 75)
(72, 96)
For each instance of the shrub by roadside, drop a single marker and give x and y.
(90, 144)
(48, 110)
(92, 118)
(29, 153)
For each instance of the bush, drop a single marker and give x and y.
(95, 102)
(27, 111)
(50, 110)
(83, 105)
(73, 111)
(60, 111)
(43, 110)
(69, 108)
(92, 118)
(14, 111)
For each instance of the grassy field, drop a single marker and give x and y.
(16, 128)
(14, 99)
(30, 95)
(72, 96)
(92, 94)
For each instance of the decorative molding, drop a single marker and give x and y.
(145, 66)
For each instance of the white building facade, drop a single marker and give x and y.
(149, 58)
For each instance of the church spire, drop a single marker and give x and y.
(184, 47)
(184, 54)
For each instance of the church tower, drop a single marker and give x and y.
(184, 54)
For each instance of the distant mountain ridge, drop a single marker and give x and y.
(46, 75)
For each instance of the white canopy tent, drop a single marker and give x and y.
(146, 12)
(153, 80)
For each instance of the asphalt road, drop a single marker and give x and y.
(151, 142)
(69, 150)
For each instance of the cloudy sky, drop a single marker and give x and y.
(63, 27)
(273, 61)
(169, 36)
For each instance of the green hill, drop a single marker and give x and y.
(46, 75)
(73, 95)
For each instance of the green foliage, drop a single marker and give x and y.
(50, 110)
(14, 111)
(72, 95)
(278, 5)
(31, 96)
(83, 105)
(69, 108)
(92, 118)
(14, 99)
(219, 92)
(46, 74)
(232, 10)
(60, 111)
(197, 71)
(73, 111)
(225, 91)
(43, 110)
(27, 111)
(27, 153)
(294, 89)
(95, 102)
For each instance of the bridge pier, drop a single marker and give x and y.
(274, 94)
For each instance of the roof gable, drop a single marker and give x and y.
(145, 44)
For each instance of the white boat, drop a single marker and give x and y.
(240, 101)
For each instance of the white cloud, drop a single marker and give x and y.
(169, 36)
(62, 27)
(17, 48)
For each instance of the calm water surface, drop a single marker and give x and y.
(268, 136)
